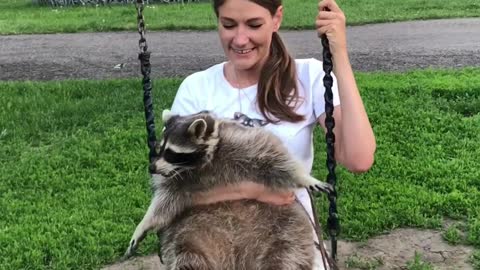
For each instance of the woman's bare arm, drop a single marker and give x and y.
(244, 190)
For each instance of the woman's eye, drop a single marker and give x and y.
(228, 26)
(255, 26)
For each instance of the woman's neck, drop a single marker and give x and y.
(241, 78)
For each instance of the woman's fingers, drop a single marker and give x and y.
(322, 23)
(323, 30)
(327, 15)
(328, 5)
(330, 21)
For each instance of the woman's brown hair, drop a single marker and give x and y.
(277, 88)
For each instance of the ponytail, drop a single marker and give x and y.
(277, 94)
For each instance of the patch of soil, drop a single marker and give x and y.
(396, 249)
(390, 251)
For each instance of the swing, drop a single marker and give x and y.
(333, 223)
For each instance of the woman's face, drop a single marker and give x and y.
(245, 31)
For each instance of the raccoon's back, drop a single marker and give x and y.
(249, 154)
(243, 235)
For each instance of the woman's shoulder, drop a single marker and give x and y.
(309, 70)
(196, 89)
(310, 65)
(308, 61)
(204, 76)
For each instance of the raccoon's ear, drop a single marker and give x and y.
(198, 128)
(166, 114)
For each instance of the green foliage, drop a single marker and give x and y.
(21, 16)
(74, 180)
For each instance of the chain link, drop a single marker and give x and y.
(142, 43)
(145, 67)
(333, 223)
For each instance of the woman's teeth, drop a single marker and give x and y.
(242, 51)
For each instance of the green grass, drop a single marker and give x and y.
(418, 263)
(452, 235)
(475, 260)
(22, 17)
(74, 179)
(357, 262)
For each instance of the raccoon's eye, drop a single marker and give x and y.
(173, 157)
(186, 159)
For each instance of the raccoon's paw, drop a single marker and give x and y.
(132, 247)
(322, 187)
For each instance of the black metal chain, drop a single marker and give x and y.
(144, 56)
(142, 43)
(333, 223)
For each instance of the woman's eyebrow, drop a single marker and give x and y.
(256, 19)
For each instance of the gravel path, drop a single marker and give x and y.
(390, 47)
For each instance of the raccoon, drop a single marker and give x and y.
(199, 152)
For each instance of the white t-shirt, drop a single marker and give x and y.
(210, 90)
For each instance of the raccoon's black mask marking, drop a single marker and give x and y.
(183, 159)
(178, 159)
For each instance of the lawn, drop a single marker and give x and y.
(74, 179)
(22, 17)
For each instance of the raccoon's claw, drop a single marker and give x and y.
(130, 251)
(322, 187)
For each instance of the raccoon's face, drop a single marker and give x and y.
(188, 142)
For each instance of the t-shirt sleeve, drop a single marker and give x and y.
(186, 102)
(318, 89)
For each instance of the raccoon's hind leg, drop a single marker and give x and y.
(288, 255)
(185, 254)
(188, 260)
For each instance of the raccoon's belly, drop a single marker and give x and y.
(242, 234)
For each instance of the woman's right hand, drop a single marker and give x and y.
(331, 21)
(244, 190)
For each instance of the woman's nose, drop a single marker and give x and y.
(241, 38)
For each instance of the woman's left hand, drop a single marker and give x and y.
(331, 21)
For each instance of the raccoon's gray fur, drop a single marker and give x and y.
(245, 235)
(199, 152)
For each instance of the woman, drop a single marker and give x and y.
(262, 85)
